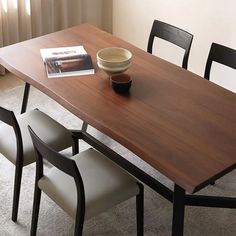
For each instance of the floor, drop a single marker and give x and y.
(9, 81)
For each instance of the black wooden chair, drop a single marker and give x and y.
(173, 35)
(221, 54)
(83, 186)
(16, 144)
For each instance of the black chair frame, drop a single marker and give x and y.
(9, 118)
(69, 167)
(172, 34)
(221, 54)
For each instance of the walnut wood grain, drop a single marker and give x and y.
(182, 125)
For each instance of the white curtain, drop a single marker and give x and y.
(24, 19)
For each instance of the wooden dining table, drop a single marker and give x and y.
(181, 124)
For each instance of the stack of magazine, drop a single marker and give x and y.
(67, 61)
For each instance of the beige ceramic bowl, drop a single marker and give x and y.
(114, 60)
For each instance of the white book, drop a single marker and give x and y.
(62, 52)
(67, 61)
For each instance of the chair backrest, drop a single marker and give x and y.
(173, 35)
(61, 162)
(221, 54)
(9, 118)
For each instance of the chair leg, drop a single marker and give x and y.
(16, 195)
(35, 214)
(139, 210)
(75, 146)
(79, 224)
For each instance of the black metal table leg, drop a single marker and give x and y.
(178, 211)
(84, 126)
(25, 98)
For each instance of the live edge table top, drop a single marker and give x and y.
(181, 124)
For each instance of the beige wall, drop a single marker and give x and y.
(208, 21)
(98, 12)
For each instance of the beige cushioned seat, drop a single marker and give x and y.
(50, 131)
(105, 184)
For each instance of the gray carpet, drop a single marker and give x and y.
(117, 221)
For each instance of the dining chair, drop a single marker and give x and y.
(16, 144)
(221, 54)
(94, 183)
(172, 34)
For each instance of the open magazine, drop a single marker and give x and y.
(67, 61)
